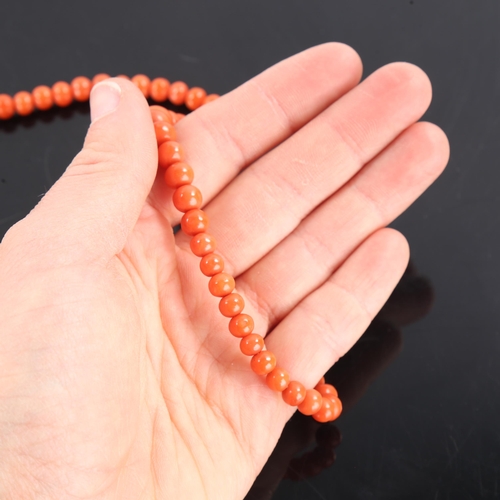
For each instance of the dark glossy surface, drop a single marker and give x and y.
(421, 388)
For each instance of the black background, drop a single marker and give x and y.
(426, 426)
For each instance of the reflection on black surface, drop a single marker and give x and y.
(352, 375)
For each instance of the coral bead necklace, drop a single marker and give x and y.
(322, 401)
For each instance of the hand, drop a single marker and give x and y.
(119, 378)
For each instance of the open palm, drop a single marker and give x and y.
(120, 378)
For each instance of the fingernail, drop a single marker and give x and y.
(104, 99)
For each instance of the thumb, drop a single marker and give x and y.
(95, 204)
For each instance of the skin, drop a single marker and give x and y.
(119, 379)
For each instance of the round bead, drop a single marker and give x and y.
(195, 221)
(80, 87)
(231, 305)
(241, 325)
(178, 91)
(195, 97)
(170, 152)
(100, 77)
(23, 101)
(251, 344)
(210, 98)
(42, 97)
(278, 379)
(321, 381)
(263, 362)
(186, 198)
(160, 114)
(325, 413)
(202, 243)
(311, 403)
(336, 408)
(159, 89)
(294, 394)
(63, 96)
(144, 84)
(327, 390)
(7, 107)
(179, 174)
(164, 132)
(211, 264)
(221, 284)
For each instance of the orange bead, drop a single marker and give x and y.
(178, 91)
(186, 198)
(321, 381)
(195, 221)
(263, 362)
(294, 394)
(160, 114)
(42, 97)
(81, 86)
(159, 89)
(195, 97)
(63, 96)
(221, 284)
(144, 84)
(251, 344)
(211, 264)
(278, 379)
(327, 390)
(170, 152)
(174, 117)
(202, 243)
(7, 107)
(23, 101)
(164, 132)
(241, 325)
(179, 174)
(311, 403)
(100, 77)
(179, 116)
(336, 408)
(231, 305)
(210, 98)
(325, 413)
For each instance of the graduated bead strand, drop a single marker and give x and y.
(322, 402)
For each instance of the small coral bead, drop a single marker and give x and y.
(278, 379)
(23, 102)
(170, 152)
(327, 390)
(186, 198)
(160, 114)
(7, 107)
(42, 97)
(210, 98)
(336, 408)
(231, 305)
(144, 84)
(241, 325)
(221, 284)
(179, 174)
(251, 344)
(80, 87)
(195, 97)
(325, 413)
(159, 89)
(164, 132)
(202, 243)
(63, 96)
(211, 264)
(263, 362)
(294, 394)
(100, 77)
(195, 221)
(178, 91)
(311, 403)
